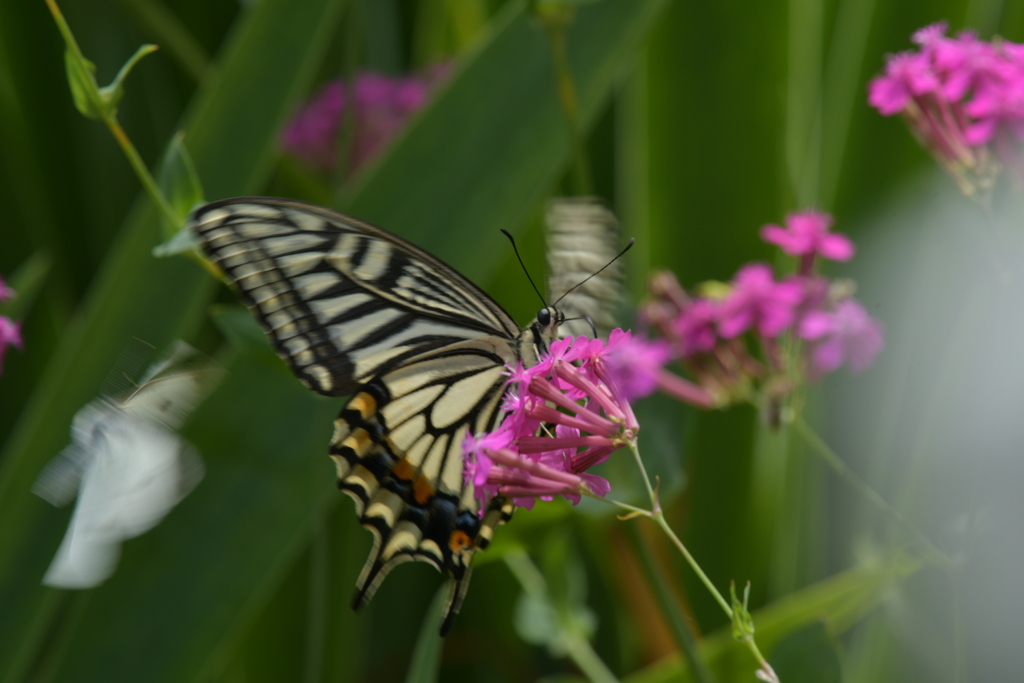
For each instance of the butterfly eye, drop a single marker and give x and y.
(544, 317)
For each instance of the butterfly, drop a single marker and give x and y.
(357, 311)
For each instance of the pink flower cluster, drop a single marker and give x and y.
(962, 97)
(706, 333)
(575, 390)
(10, 330)
(379, 107)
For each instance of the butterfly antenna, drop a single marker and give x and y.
(516, 249)
(590, 321)
(579, 284)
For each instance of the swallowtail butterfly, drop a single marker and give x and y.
(357, 311)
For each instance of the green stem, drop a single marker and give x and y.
(634, 510)
(659, 518)
(142, 172)
(110, 119)
(582, 181)
(832, 459)
(655, 505)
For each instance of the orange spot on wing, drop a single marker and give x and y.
(423, 490)
(404, 470)
(459, 540)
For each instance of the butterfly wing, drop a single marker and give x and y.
(583, 237)
(341, 300)
(357, 311)
(397, 447)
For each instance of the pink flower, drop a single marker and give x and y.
(929, 35)
(846, 334)
(806, 235)
(907, 75)
(635, 363)
(965, 63)
(758, 302)
(10, 335)
(379, 105)
(958, 95)
(591, 417)
(697, 327)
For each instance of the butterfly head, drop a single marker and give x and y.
(535, 340)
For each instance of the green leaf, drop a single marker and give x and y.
(471, 165)
(742, 622)
(842, 600)
(111, 94)
(179, 182)
(82, 81)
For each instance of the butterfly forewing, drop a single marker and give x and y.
(341, 300)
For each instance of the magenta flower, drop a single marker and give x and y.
(697, 327)
(578, 389)
(907, 76)
(758, 302)
(806, 235)
(10, 335)
(636, 363)
(958, 95)
(846, 334)
(382, 105)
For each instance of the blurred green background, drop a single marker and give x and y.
(703, 122)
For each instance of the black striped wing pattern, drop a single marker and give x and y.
(356, 311)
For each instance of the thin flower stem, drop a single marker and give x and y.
(659, 518)
(110, 119)
(655, 505)
(143, 173)
(832, 459)
(611, 501)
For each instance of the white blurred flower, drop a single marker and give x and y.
(127, 465)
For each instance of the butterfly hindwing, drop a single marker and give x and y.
(397, 447)
(341, 300)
